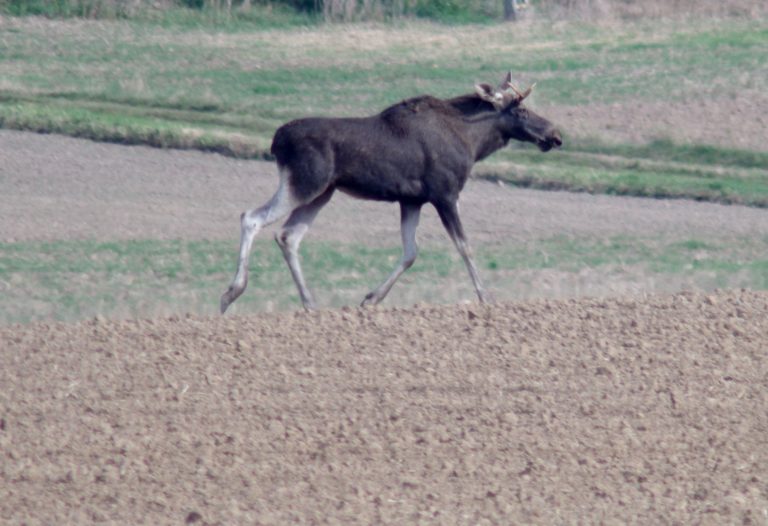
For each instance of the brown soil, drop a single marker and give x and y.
(641, 411)
(57, 187)
(548, 412)
(736, 122)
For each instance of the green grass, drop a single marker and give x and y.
(660, 169)
(666, 150)
(71, 280)
(226, 85)
(162, 66)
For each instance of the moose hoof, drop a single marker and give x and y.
(487, 297)
(370, 299)
(224, 303)
(228, 297)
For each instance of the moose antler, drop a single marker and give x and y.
(500, 97)
(506, 84)
(524, 94)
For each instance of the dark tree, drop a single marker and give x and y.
(510, 10)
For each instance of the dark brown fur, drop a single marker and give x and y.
(419, 150)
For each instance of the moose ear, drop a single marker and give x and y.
(488, 94)
(484, 90)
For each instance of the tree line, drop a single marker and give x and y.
(343, 10)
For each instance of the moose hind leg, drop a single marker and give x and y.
(409, 221)
(290, 236)
(449, 215)
(251, 222)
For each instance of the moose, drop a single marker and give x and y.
(418, 151)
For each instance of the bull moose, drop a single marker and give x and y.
(418, 151)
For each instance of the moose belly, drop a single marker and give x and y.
(382, 188)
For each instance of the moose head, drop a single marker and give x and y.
(517, 121)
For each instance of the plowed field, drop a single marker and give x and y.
(551, 412)
(644, 410)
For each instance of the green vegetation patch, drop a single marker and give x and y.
(661, 169)
(292, 73)
(70, 280)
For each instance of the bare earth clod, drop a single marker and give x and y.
(592, 411)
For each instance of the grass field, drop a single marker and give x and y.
(71, 280)
(228, 87)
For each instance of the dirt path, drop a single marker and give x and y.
(57, 187)
(548, 412)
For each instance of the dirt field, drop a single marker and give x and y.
(644, 410)
(57, 187)
(591, 411)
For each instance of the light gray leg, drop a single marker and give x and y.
(251, 222)
(409, 221)
(449, 214)
(289, 239)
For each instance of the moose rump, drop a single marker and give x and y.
(415, 152)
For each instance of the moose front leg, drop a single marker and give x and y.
(449, 215)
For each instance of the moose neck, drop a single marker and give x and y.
(481, 125)
(485, 136)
